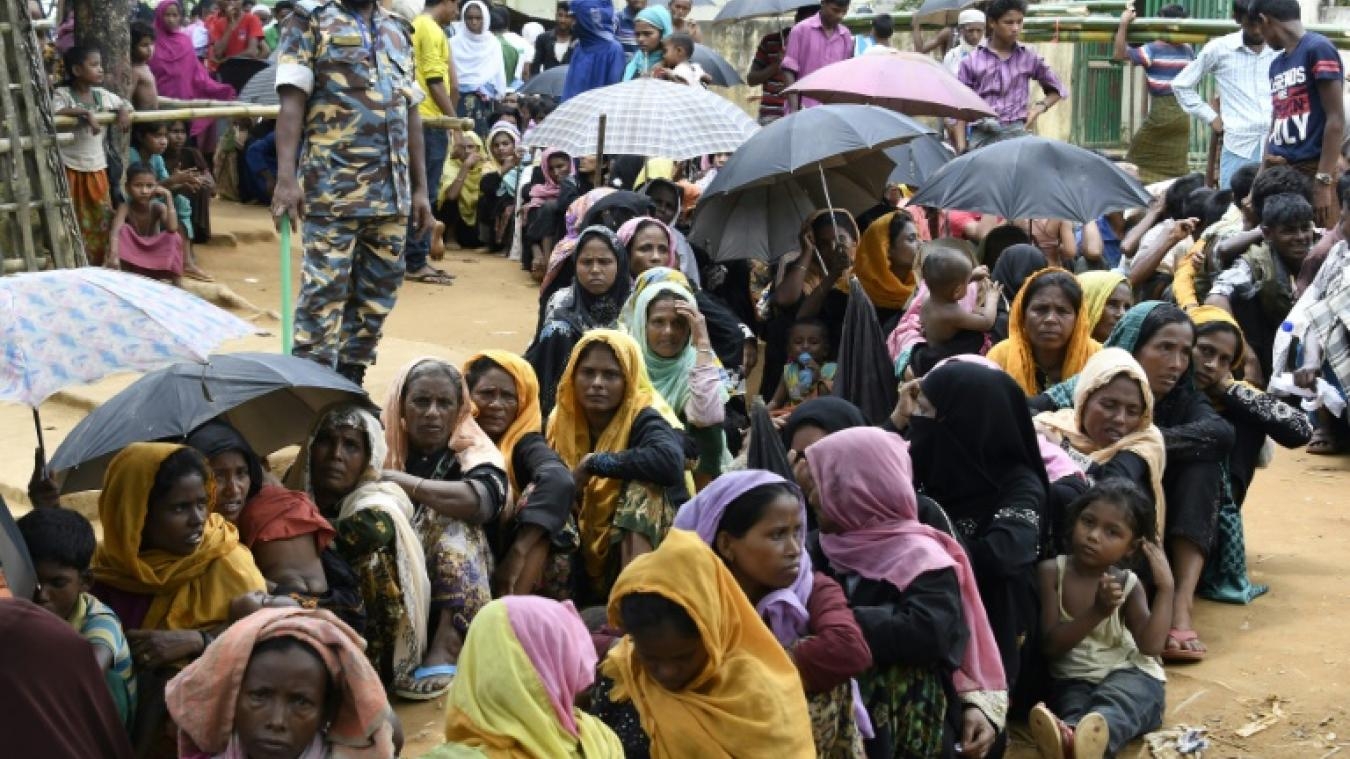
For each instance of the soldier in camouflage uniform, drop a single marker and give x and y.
(346, 83)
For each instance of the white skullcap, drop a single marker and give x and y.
(970, 16)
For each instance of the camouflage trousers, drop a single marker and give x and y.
(351, 275)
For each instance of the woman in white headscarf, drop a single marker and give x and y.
(479, 68)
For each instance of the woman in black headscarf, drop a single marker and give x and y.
(975, 453)
(817, 418)
(1015, 264)
(237, 469)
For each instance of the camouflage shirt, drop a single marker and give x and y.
(361, 85)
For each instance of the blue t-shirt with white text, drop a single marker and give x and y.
(1299, 118)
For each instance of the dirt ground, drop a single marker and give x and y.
(1281, 662)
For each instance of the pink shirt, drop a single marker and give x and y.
(705, 407)
(810, 47)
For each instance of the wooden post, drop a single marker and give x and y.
(20, 190)
(600, 153)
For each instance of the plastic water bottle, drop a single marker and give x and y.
(807, 377)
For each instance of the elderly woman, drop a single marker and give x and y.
(340, 466)
(1197, 441)
(524, 663)
(167, 566)
(665, 321)
(1049, 336)
(756, 523)
(627, 457)
(535, 551)
(304, 665)
(455, 477)
(600, 285)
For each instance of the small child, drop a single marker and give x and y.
(1100, 636)
(62, 543)
(144, 93)
(85, 159)
(145, 236)
(148, 143)
(675, 66)
(809, 373)
(948, 328)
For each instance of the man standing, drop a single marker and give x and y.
(1306, 82)
(624, 31)
(883, 28)
(970, 32)
(766, 70)
(436, 78)
(346, 84)
(1240, 63)
(1160, 146)
(554, 48)
(816, 43)
(1001, 71)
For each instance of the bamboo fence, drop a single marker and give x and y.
(212, 109)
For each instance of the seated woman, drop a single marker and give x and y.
(668, 208)
(305, 664)
(705, 674)
(599, 288)
(756, 523)
(731, 340)
(534, 554)
(1109, 431)
(524, 663)
(291, 542)
(885, 264)
(339, 465)
(1255, 415)
(627, 456)
(167, 566)
(544, 222)
(1049, 335)
(673, 335)
(497, 206)
(1010, 266)
(181, 157)
(650, 244)
(938, 687)
(469, 181)
(455, 477)
(1106, 298)
(1197, 441)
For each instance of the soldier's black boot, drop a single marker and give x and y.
(354, 372)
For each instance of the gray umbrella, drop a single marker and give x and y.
(546, 83)
(917, 160)
(271, 399)
(723, 73)
(743, 9)
(261, 88)
(1033, 178)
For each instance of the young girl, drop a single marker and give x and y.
(182, 158)
(148, 143)
(809, 372)
(1101, 638)
(85, 160)
(145, 237)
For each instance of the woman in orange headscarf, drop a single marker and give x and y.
(1049, 333)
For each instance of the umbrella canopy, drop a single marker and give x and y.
(261, 88)
(742, 9)
(548, 82)
(71, 326)
(646, 117)
(15, 562)
(722, 72)
(1033, 178)
(917, 160)
(766, 451)
(237, 71)
(913, 84)
(866, 376)
(942, 12)
(271, 399)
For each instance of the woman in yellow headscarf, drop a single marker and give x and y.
(534, 556)
(884, 263)
(705, 674)
(1049, 333)
(462, 187)
(1106, 298)
(524, 663)
(618, 436)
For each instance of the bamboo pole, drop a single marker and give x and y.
(47, 184)
(8, 144)
(228, 111)
(21, 192)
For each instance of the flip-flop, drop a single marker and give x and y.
(1323, 444)
(434, 277)
(1181, 655)
(424, 673)
(1091, 737)
(1053, 738)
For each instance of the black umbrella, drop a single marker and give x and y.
(723, 73)
(767, 451)
(1033, 178)
(918, 160)
(548, 82)
(261, 88)
(743, 9)
(271, 399)
(866, 376)
(237, 71)
(15, 563)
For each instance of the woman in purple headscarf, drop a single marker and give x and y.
(756, 522)
(178, 72)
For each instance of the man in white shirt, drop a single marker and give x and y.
(970, 29)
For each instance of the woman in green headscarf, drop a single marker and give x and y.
(653, 24)
(663, 317)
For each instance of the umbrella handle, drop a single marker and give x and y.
(828, 204)
(42, 446)
(287, 310)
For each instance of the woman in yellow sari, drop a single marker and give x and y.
(619, 438)
(462, 189)
(705, 674)
(1049, 333)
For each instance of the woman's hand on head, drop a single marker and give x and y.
(152, 649)
(698, 324)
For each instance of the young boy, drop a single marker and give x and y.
(1000, 71)
(948, 328)
(809, 373)
(1324, 301)
(62, 543)
(144, 94)
(675, 66)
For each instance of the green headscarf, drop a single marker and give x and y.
(670, 376)
(1125, 335)
(641, 62)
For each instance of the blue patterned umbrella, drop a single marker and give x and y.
(72, 326)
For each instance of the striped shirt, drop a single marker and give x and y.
(772, 103)
(1161, 61)
(100, 626)
(1243, 79)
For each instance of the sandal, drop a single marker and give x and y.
(1091, 737)
(1324, 443)
(432, 276)
(444, 674)
(1180, 654)
(1053, 738)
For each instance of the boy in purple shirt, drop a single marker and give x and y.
(816, 43)
(1000, 71)
(1308, 116)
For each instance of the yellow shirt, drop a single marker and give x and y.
(431, 52)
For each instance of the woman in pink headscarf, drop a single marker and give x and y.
(938, 679)
(178, 72)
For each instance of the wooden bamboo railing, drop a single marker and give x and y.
(227, 110)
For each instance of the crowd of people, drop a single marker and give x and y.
(667, 526)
